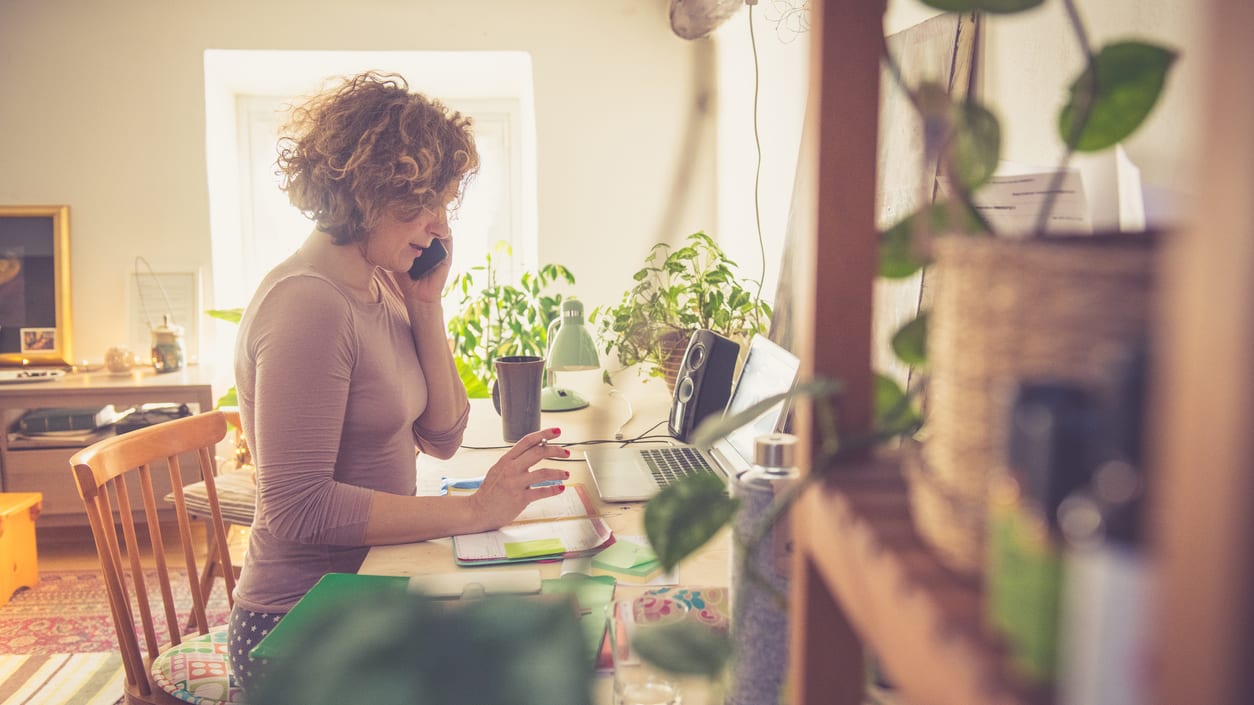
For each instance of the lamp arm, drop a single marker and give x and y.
(550, 377)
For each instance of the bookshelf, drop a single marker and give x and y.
(863, 581)
(43, 466)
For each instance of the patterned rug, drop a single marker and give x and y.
(58, 645)
(68, 612)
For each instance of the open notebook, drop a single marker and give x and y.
(561, 526)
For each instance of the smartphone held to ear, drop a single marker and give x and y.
(432, 256)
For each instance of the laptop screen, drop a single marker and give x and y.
(769, 370)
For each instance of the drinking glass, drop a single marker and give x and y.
(635, 681)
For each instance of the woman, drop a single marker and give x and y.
(342, 363)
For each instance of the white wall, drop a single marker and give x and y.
(103, 109)
(1038, 57)
(783, 63)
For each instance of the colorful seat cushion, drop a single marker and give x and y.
(198, 671)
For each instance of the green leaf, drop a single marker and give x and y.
(231, 315)
(910, 343)
(1129, 79)
(894, 411)
(975, 145)
(991, 6)
(395, 647)
(686, 647)
(228, 399)
(898, 256)
(685, 515)
(476, 388)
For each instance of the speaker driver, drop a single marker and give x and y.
(696, 356)
(686, 388)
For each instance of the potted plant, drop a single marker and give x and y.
(678, 291)
(501, 318)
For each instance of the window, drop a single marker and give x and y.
(247, 93)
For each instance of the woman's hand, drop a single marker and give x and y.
(430, 287)
(507, 488)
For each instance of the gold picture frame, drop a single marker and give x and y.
(35, 285)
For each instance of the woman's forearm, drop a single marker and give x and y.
(399, 519)
(446, 396)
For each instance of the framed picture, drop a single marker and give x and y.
(35, 285)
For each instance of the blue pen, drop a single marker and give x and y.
(474, 484)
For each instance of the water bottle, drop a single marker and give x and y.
(168, 351)
(759, 621)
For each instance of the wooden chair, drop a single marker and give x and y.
(237, 501)
(107, 473)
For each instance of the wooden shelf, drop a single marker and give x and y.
(922, 621)
(862, 578)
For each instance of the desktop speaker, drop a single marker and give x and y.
(704, 382)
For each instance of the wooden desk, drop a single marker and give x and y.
(606, 414)
(650, 402)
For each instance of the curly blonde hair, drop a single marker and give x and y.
(348, 156)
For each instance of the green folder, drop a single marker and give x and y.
(334, 591)
(341, 591)
(594, 593)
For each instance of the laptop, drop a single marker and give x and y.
(634, 474)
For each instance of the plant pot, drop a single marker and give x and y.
(1009, 310)
(671, 348)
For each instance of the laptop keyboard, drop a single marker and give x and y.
(674, 463)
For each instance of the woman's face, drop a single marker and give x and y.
(395, 243)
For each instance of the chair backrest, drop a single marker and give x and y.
(106, 473)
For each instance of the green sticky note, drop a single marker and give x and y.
(531, 549)
(625, 555)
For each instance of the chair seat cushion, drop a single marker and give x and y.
(198, 671)
(237, 497)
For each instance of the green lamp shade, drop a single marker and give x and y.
(570, 348)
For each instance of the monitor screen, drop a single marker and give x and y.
(769, 370)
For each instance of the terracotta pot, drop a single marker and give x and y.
(672, 346)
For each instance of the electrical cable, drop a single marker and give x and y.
(642, 438)
(618, 433)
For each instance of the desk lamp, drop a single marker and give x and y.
(570, 348)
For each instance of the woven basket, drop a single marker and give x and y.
(1010, 310)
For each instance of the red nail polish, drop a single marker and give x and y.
(567, 451)
(556, 431)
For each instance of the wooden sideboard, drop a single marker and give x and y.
(28, 468)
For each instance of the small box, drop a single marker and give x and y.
(19, 563)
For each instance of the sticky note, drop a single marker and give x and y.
(531, 549)
(627, 558)
(625, 555)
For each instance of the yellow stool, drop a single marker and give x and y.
(19, 564)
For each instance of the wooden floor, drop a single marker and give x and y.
(72, 548)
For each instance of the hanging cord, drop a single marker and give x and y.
(169, 310)
(757, 142)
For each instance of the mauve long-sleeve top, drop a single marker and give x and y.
(330, 390)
